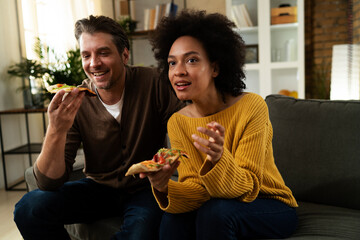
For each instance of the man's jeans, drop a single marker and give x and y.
(42, 214)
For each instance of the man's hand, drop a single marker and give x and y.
(159, 180)
(62, 110)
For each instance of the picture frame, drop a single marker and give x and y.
(252, 53)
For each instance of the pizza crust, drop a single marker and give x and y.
(140, 168)
(143, 167)
(55, 88)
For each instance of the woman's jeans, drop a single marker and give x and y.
(42, 214)
(231, 219)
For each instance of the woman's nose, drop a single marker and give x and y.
(180, 69)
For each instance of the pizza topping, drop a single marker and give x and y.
(67, 88)
(166, 155)
(151, 164)
(162, 157)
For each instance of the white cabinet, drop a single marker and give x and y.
(280, 48)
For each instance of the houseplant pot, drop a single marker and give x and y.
(31, 72)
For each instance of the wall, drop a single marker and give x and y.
(356, 19)
(327, 23)
(9, 98)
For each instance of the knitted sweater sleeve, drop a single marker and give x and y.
(188, 193)
(239, 173)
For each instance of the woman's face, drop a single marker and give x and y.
(190, 71)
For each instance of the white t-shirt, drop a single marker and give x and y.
(115, 109)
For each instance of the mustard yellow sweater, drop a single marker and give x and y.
(246, 170)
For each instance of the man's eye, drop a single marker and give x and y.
(104, 53)
(85, 56)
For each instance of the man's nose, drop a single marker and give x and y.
(95, 61)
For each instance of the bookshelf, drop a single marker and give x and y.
(141, 53)
(280, 47)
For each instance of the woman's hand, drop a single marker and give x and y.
(159, 180)
(213, 146)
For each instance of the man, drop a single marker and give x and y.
(123, 125)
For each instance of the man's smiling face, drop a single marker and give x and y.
(102, 62)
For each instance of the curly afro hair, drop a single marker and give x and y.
(215, 32)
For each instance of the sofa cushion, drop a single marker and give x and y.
(317, 148)
(102, 229)
(326, 222)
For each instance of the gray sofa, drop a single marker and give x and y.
(317, 150)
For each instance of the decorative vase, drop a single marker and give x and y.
(33, 94)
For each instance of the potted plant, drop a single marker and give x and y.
(31, 71)
(128, 24)
(37, 73)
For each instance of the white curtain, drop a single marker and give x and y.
(53, 21)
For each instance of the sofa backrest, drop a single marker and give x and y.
(317, 148)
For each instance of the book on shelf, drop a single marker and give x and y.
(127, 8)
(159, 13)
(146, 18)
(171, 9)
(241, 16)
(152, 16)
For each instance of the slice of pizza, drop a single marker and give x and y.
(68, 88)
(163, 156)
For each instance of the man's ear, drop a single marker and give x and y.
(216, 69)
(125, 55)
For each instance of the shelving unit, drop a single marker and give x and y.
(274, 71)
(141, 52)
(28, 149)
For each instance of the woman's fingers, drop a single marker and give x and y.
(213, 146)
(214, 135)
(159, 180)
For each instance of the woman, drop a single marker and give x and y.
(229, 188)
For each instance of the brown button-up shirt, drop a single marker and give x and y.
(111, 148)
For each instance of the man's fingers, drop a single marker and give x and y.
(70, 96)
(72, 102)
(76, 103)
(56, 100)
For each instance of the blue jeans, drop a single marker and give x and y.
(42, 214)
(231, 219)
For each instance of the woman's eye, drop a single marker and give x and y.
(192, 60)
(171, 63)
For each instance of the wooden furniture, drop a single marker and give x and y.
(140, 49)
(28, 148)
(281, 48)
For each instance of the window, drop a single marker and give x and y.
(53, 22)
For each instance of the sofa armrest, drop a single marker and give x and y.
(76, 174)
